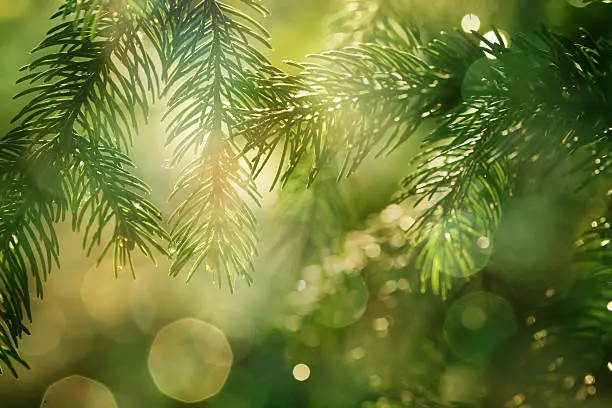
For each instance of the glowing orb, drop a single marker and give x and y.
(78, 392)
(476, 324)
(47, 331)
(345, 306)
(301, 372)
(492, 37)
(470, 22)
(190, 360)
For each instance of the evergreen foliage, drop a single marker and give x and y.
(503, 120)
(212, 69)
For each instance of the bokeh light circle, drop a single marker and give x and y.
(470, 22)
(463, 252)
(301, 372)
(78, 392)
(476, 324)
(47, 331)
(190, 360)
(492, 37)
(344, 306)
(105, 297)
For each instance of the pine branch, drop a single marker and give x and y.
(212, 69)
(84, 93)
(465, 190)
(573, 319)
(472, 162)
(87, 68)
(369, 97)
(104, 190)
(29, 244)
(586, 303)
(375, 97)
(383, 22)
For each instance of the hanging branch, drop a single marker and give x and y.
(383, 22)
(212, 72)
(84, 95)
(370, 98)
(472, 162)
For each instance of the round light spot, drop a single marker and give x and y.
(609, 307)
(476, 324)
(472, 256)
(301, 286)
(406, 222)
(47, 331)
(358, 353)
(78, 392)
(610, 365)
(470, 22)
(344, 306)
(301, 372)
(483, 242)
(380, 324)
(492, 37)
(473, 318)
(190, 360)
(373, 250)
(391, 214)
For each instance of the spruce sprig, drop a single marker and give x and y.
(480, 155)
(212, 69)
(384, 22)
(371, 98)
(65, 153)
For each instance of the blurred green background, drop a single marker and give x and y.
(304, 335)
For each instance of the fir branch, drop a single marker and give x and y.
(211, 70)
(89, 78)
(573, 320)
(465, 186)
(382, 22)
(369, 97)
(477, 156)
(83, 92)
(29, 245)
(104, 190)
(591, 268)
